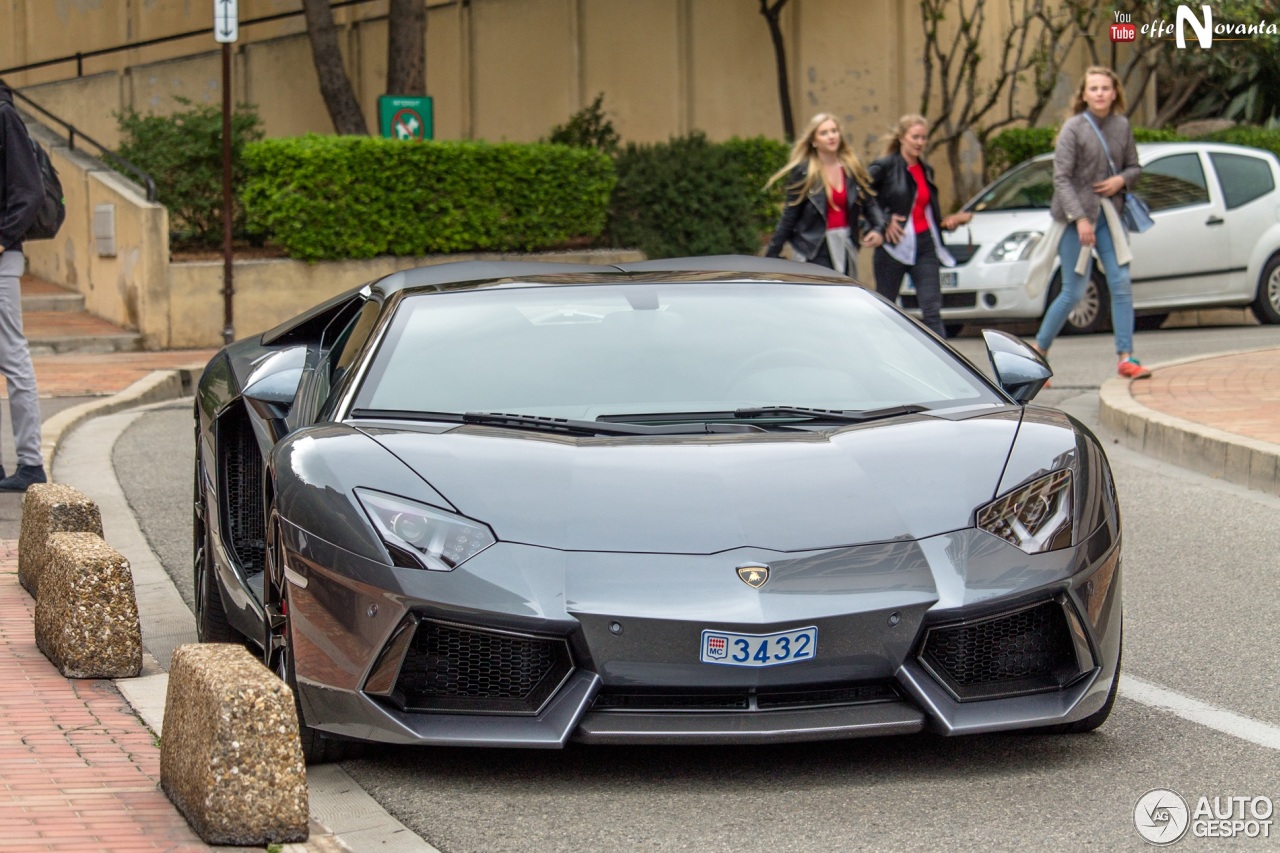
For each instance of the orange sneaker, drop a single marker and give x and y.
(1131, 368)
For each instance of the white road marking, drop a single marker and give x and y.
(1219, 719)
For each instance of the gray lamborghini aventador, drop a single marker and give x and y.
(706, 500)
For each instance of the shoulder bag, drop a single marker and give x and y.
(1135, 214)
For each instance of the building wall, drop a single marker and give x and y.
(498, 69)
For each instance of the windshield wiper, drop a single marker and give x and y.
(837, 415)
(842, 415)
(570, 425)
(549, 424)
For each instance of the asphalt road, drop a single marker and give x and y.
(1199, 572)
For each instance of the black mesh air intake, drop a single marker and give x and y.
(962, 252)
(1026, 651)
(453, 668)
(243, 524)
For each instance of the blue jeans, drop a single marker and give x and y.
(1118, 282)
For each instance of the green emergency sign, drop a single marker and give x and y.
(405, 117)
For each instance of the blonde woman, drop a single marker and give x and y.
(1095, 161)
(904, 187)
(828, 197)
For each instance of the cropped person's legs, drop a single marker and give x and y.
(925, 276)
(15, 365)
(889, 273)
(1055, 317)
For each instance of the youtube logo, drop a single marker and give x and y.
(1124, 32)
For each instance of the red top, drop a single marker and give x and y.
(918, 220)
(837, 202)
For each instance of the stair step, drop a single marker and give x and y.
(52, 302)
(55, 322)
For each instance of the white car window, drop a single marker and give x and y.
(1174, 181)
(1243, 178)
(1027, 188)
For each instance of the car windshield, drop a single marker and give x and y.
(586, 351)
(1027, 187)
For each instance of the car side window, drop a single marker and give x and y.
(352, 340)
(1242, 178)
(1174, 181)
(1027, 188)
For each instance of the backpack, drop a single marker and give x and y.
(53, 208)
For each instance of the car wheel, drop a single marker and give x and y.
(1098, 717)
(278, 650)
(1149, 322)
(1092, 314)
(211, 617)
(1266, 307)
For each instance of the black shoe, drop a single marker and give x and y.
(26, 475)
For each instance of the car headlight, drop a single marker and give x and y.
(440, 540)
(1016, 247)
(1035, 517)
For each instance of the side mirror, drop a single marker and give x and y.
(1020, 370)
(272, 387)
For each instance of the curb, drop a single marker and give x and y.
(1206, 450)
(156, 386)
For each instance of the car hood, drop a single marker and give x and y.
(987, 229)
(909, 478)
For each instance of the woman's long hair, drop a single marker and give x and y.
(804, 152)
(893, 142)
(1078, 104)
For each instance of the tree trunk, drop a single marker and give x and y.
(406, 47)
(335, 86)
(771, 15)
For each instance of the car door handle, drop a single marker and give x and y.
(1214, 220)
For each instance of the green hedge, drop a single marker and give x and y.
(689, 196)
(1016, 144)
(332, 197)
(1254, 137)
(183, 152)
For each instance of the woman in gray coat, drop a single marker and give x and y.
(1085, 185)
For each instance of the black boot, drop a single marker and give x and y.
(26, 475)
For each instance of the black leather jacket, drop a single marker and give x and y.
(804, 225)
(896, 190)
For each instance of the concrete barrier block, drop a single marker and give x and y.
(50, 508)
(86, 620)
(230, 757)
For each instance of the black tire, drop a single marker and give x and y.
(317, 748)
(1092, 314)
(1266, 306)
(1098, 717)
(211, 617)
(1149, 322)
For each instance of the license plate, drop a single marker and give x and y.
(759, 649)
(950, 278)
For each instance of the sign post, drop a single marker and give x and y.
(226, 29)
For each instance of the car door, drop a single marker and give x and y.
(1248, 188)
(1186, 257)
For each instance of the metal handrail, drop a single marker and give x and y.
(72, 131)
(80, 57)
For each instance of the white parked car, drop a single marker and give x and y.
(1216, 241)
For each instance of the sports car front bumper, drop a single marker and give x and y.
(533, 647)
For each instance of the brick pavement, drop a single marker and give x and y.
(85, 375)
(1238, 393)
(78, 769)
